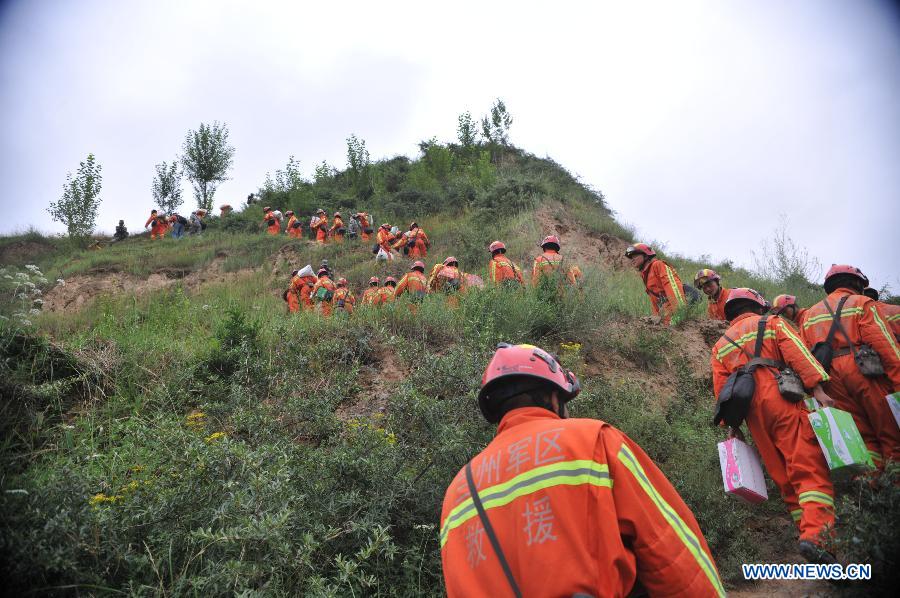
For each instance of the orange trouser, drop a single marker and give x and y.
(296, 233)
(275, 229)
(293, 302)
(326, 308)
(791, 454)
(864, 398)
(320, 235)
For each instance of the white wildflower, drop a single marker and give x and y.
(37, 292)
(34, 311)
(21, 296)
(205, 307)
(41, 280)
(7, 277)
(26, 322)
(38, 301)
(61, 282)
(21, 276)
(4, 318)
(29, 284)
(31, 267)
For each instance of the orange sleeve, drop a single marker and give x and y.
(719, 372)
(670, 282)
(795, 354)
(492, 270)
(672, 556)
(875, 330)
(401, 286)
(535, 272)
(149, 220)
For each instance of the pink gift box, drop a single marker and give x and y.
(742, 472)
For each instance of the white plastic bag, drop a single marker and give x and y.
(306, 271)
(382, 255)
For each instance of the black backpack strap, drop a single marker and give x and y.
(836, 323)
(760, 335)
(489, 530)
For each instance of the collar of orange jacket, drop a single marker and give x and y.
(743, 316)
(524, 415)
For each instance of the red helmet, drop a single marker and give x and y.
(705, 275)
(497, 246)
(267, 209)
(838, 269)
(418, 265)
(374, 280)
(321, 272)
(289, 213)
(639, 248)
(386, 226)
(782, 302)
(342, 282)
(389, 280)
(338, 214)
(451, 260)
(551, 240)
(320, 211)
(519, 363)
(743, 294)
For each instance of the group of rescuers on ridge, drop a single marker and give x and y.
(555, 506)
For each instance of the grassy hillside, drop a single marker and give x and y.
(169, 429)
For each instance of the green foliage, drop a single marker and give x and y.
(466, 131)
(77, 208)
(166, 187)
(207, 159)
(495, 127)
(359, 168)
(781, 260)
(868, 516)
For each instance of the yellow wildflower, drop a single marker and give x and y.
(214, 437)
(101, 498)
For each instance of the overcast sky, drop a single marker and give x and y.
(700, 121)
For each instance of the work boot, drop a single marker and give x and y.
(815, 554)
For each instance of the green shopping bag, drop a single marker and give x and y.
(840, 441)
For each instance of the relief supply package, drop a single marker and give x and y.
(840, 441)
(742, 472)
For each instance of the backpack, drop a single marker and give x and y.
(270, 221)
(865, 357)
(181, 220)
(822, 350)
(450, 279)
(324, 294)
(735, 398)
(691, 294)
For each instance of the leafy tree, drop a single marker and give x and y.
(437, 159)
(166, 187)
(467, 131)
(782, 260)
(495, 128)
(323, 172)
(358, 167)
(77, 208)
(206, 160)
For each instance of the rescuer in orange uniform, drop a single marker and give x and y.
(293, 228)
(446, 277)
(323, 292)
(415, 241)
(891, 312)
(550, 261)
(864, 322)
(151, 222)
(273, 227)
(337, 229)
(303, 286)
(501, 269)
(387, 291)
(365, 223)
(319, 226)
(786, 307)
(292, 294)
(574, 506)
(413, 283)
(159, 227)
(661, 281)
(372, 295)
(343, 298)
(384, 238)
(780, 429)
(711, 284)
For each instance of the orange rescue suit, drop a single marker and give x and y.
(781, 430)
(501, 269)
(364, 224)
(304, 286)
(413, 283)
(343, 299)
(384, 238)
(372, 296)
(892, 314)
(549, 262)
(420, 242)
(337, 226)
(324, 283)
(273, 227)
(862, 396)
(320, 226)
(716, 307)
(292, 229)
(158, 228)
(578, 509)
(662, 284)
(386, 294)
